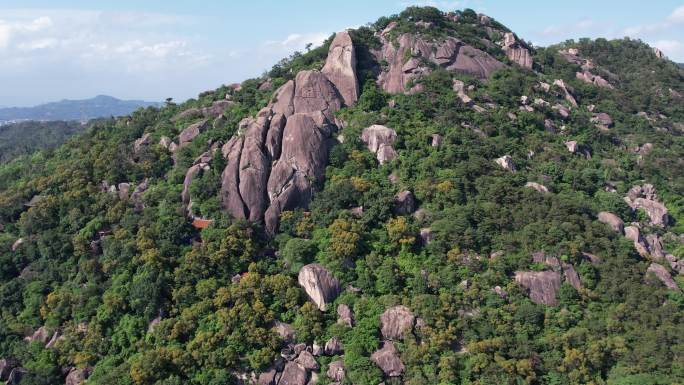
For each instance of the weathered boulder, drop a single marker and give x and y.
(516, 51)
(537, 186)
(140, 142)
(333, 346)
(6, 366)
(77, 376)
(307, 360)
(285, 331)
(543, 286)
(153, 324)
(345, 316)
(645, 198)
(387, 359)
(320, 285)
(314, 92)
(16, 244)
(379, 140)
(230, 190)
(336, 370)
(189, 176)
(436, 140)
(590, 78)
(655, 246)
(293, 374)
(254, 168)
(165, 142)
(191, 132)
(16, 375)
(396, 321)
(426, 235)
(506, 162)
(568, 96)
(41, 335)
(563, 111)
(404, 203)
(602, 119)
(612, 220)
(634, 234)
(572, 146)
(267, 378)
(571, 276)
(450, 53)
(459, 87)
(340, 67)
(663, 275)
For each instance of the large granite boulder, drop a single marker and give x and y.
(345, 316)
(602, 119)
(387, 359)
(307, 360)
(644, 197)
(450, 53)
(333, 346)
(612, 220)
(141, 142)
(190, 175)
(16, 375)
(285, 331)
(42, 335)
(634, 234)
(293, 374)
(537, 186)
(320, 285)
(6, 366)
(191, 132)
(379, 140)
(396, 321)
(506, 162)
(568, 95)
(543, 286)
(314, 92)
(663, 275)
(340, 67)
(516, 51)
(404, 203)
(336, 371)
(77, 376)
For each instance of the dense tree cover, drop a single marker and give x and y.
(24, 138)
(218, 291)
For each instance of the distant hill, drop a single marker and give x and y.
(81, 110)
(23, 138)
(681, 64)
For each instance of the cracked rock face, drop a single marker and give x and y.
(321, 286)
(663, 275)
(340, 67)
(278, 158)
(543, 286)
(517, 51)
(379, 140)
(451, 54)
(387, 358)
(396, 321)
(612, 220)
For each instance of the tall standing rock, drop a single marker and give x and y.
(340, 67)
(321, 286)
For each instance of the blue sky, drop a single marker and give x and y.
(155, 49)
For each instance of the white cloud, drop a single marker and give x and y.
(677, 16)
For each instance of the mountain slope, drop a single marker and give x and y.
(27, 137)
(81, 110)
(424, 200)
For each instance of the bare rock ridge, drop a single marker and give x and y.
(516, 51)
(450, 53)
(276, 158)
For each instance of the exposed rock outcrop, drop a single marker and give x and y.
(396, 321)
(612, 220)
(590, 78)
(387, 358)
(506, 162)
(663, 275)
(379, 140)
(517, 51)
(191, 132)
(450, 53)
(543, 286)
(340, 67)
(293, 374)
(537, 186)
(634, 234)
(568, 96)
(77, 376)
(645, 198)
(333, 346)
(345, 316)
(459, 87)
(404, 203)
(336, 371)
(319, 284)
(6, 366)
(602, 119)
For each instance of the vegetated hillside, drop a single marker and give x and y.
(27, 137)
(424, 200)
(101, 106)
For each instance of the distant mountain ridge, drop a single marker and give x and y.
(82, 110)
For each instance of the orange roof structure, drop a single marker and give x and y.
(200, 223)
